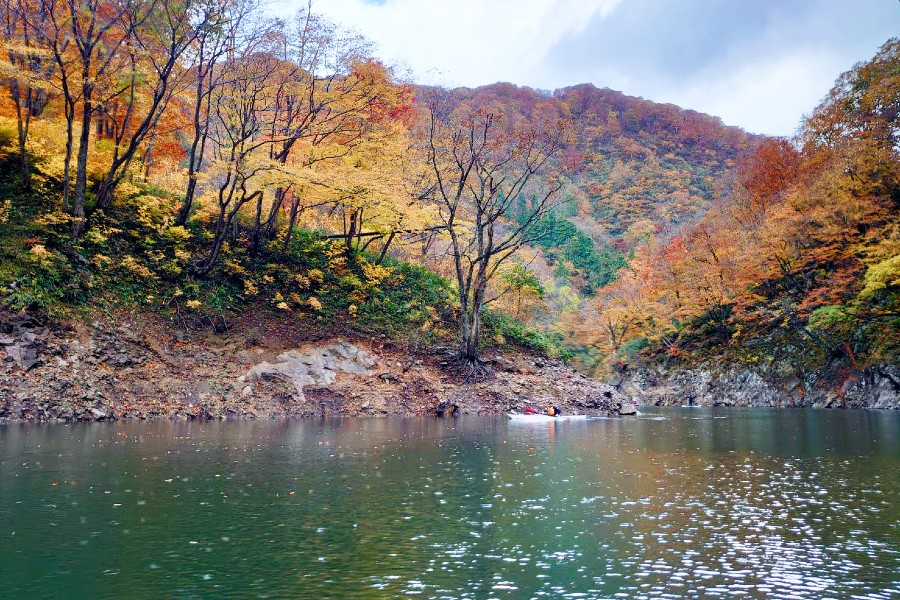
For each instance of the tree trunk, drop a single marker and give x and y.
(146, 159)
(22, 123)
(67, 162)
(351, 232)
(257, 228)
(272, 221)
(472, 339)
(78, 226)
(222, 226)
(105, 192)
(198, 144)
(384, 250)
(295, 207)
(185, 209)
(465, 331)
(471, 320)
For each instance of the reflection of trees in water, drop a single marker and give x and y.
(718, 502)
(759, 498)
(419, 501)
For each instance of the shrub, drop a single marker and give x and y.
(630, 348)
(49, 281)
(506, 330)
(409, 298)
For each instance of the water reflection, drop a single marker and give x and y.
(699, 503)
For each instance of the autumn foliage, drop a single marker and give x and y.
(197, 154)
(799, 255)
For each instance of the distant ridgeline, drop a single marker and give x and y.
(637, 168)
(646, 163)
(794, 268)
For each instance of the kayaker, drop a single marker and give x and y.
(553, 410)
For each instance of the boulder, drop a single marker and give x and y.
(24, 354)
(627, 408)
(316, 365)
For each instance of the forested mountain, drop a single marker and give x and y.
(727, 242)
(797, 261)
(636, 165)
(230, 162)
(645, 161)
(634, 169)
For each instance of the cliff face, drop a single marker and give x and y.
(135, 367)
(771, 386)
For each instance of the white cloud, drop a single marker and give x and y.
(760, 66)
(465, 42)
(768, 95)
(764, 97)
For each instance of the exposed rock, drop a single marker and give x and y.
(627, 408)
(766, 386)
(24, 351)
(878, 387)
(102, 370)
(317, 365)
(446, 409)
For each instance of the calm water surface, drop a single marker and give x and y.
(675, 503)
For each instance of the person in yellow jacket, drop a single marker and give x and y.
(553, 410)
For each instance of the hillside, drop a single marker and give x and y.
(632, 160)
(791, 275)
(255, 180)
(635, 168)
(645, 161)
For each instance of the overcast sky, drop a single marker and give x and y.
(759, 64)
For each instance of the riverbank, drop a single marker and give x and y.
(773, 385)
(136, 366)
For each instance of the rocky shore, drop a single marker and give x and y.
(130, 366)
(774, 385)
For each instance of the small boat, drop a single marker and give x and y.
(539, 418)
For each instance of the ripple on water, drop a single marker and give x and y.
(666, 507)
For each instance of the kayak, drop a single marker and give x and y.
(544, 418)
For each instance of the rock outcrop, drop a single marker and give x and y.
(316, 365)
(133, 367)
(770, 386)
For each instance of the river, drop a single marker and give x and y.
(675, 503)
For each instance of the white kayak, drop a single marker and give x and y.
(519, 418)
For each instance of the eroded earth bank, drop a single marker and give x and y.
(131, 367)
